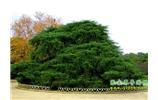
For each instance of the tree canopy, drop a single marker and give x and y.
(78, 54)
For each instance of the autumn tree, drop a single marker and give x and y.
(19, 49)
(23, 27)
(43, 21)
(26, 27)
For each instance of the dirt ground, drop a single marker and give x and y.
(24, 94)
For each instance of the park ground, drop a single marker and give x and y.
(25, 94)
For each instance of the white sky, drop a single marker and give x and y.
(127, 19)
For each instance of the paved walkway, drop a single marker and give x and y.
(24, 94)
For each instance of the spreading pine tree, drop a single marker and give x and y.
(78, 54)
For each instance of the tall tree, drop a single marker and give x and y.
(26, 27)
(78, 54)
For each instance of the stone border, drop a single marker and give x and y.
(84, 89)
(103, 89)
(33, 87)
(63, 89)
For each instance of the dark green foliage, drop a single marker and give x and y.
(78, 54)
(22, 67)
(140, 59)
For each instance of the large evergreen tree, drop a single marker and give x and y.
(78, 54)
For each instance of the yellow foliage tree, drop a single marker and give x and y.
(19, 49)
(24, 29)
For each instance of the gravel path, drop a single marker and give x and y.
(23, 94)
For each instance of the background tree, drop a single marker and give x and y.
(24, 29)
(19, 49)
(43, 21)
(140, 59)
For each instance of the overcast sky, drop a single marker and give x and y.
(127, 19)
